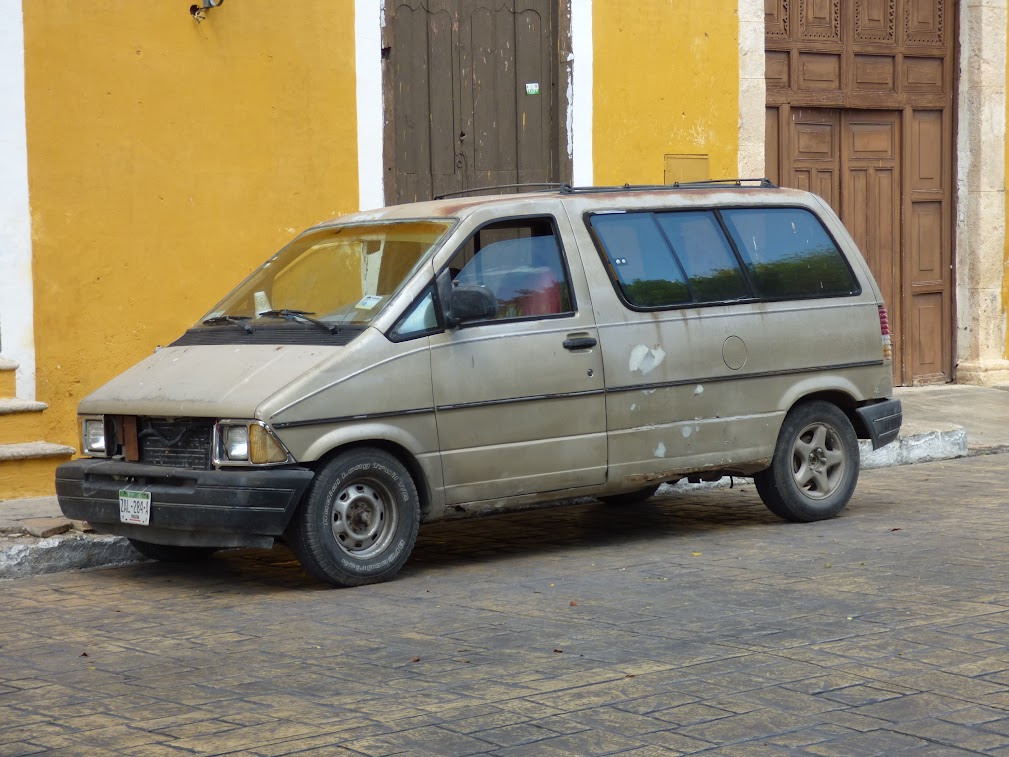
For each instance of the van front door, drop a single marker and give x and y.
(519, 396)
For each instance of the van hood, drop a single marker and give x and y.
(211, 381)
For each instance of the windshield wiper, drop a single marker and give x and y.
(304, 316)
(238, 320)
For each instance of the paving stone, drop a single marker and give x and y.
(744, 649)
(43, 528)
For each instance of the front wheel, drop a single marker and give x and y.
(815, 465)
(359, 519)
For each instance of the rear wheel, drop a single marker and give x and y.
(815, 465)
(359, 519)
(630, 498)
(170, 552)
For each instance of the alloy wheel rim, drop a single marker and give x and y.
(818, 461)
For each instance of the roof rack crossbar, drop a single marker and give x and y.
(565, 188)
(527, 185)
(762, 183)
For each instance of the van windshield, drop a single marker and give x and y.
(336, 276)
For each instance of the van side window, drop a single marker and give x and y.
(704, 252)
(640, 260)
(419, 319)
(521, 262)
(789, 253)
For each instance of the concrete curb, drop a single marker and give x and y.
(27, 556)
(920, 444)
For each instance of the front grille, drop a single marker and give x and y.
(176, 442)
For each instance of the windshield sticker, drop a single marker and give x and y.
(367, 303)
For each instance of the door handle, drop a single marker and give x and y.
(579, 343)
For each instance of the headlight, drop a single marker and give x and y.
(93, 440)
(236, 442)
(249, 442)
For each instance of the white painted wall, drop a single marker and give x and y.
(752, 89)
(17, 341)
(580, 94)
(368, 20)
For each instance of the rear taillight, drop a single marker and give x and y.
(884, 330)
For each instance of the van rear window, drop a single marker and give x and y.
(670, 258)
(788, 253)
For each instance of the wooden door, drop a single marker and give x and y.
(470, 94)
(870, 205)
(859, 110)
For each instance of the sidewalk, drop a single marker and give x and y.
(940, 422)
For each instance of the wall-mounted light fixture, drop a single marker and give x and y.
(199, 12)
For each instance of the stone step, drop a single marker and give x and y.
(8, 378)
(20, 420)
(27, 468)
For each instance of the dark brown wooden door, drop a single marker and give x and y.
(471, 95)
(859, 100)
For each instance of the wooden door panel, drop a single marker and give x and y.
(929, 238)
(927, 359)
(860, 110)
(870, 208)
(470, 95)
(533, 112)
(814, 153)
(412, 139)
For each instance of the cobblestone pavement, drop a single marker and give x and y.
(692, 624)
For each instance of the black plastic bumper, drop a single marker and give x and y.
(222, 508)
(882, 420)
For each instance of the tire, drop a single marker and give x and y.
(171, 553)
(630, 498)
(815, 465)
(358, 521)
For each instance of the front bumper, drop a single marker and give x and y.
(214, 508)
(882, 420)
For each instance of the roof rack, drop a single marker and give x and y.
(528, 185)
(566, 189)
(763, 183)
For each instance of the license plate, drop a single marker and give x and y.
(135, 507)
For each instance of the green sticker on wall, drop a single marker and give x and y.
(532, 88)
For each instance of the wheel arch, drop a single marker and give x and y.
(844, 402)
(843, 395)
(398, 451)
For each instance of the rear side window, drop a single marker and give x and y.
(682, 257)
(705, 254)
(640, 259)
(788, 253)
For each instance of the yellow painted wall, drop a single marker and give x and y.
(166, 160)
(666, 82)
(1005, 243)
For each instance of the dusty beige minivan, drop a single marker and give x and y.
(479, 354)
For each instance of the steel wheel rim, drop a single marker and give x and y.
(364, 518)
(819, 461)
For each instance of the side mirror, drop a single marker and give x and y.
(470, 302)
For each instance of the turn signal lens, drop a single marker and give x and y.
(263, 448)
(884, 330)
